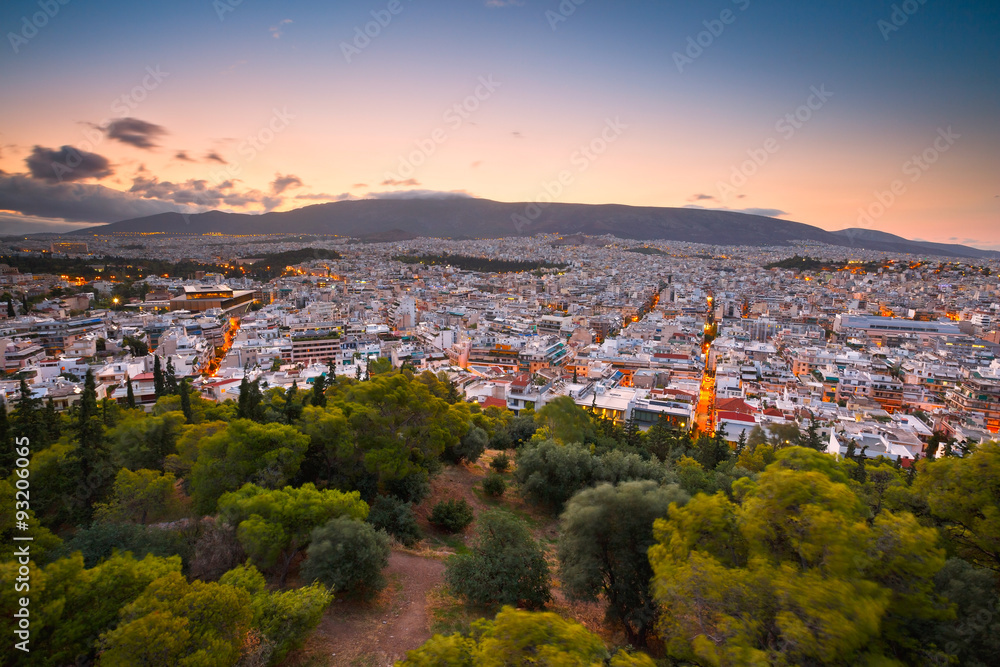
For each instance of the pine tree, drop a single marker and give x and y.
(10, 307)
(159, 386)
(318, 397)
(185, 392)
(242, 412)
(813, 438)
(741, 443)
(130, 395)
(7, 453)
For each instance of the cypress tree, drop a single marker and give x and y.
(318, 397)
(53, 428)
(158, 384)
(185, 392)
(91, 454)
(170, 378)
(27, 422)
(130, 395)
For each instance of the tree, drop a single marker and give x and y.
(395, 517)
(961, 493)
(10, 307)
(159, 384)
(604, 535)
(145, 495)
(268, 455)
(283, 618)
(292, 410)
(130, 394)
(175, 622)
(274, 526)
(518, 637)
(348, 556)
(318, 397)
(494, 484)
(566, 421)
(60, 633)
(144, 441)
(813, 438)
(793, 574)
(27, 417)
(505, 565)
(250, 400)
(170, 378)
(91, 454)
(185, 392)
(452, 515)
(470, 447)
(550, 474)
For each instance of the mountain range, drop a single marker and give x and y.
(466, 218)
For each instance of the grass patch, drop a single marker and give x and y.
(449, 614)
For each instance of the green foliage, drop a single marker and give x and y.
(348, 556)
(470, 447)
(452, 515)
(264, 454)
(101, 540)
(604, 535)
(518, 637)
(13, 510)
(494, 484)
(566, 421)
(283, 618)
(274, 525)
(963, 495)
(144, 441)
(175, 622)
(500, 462)
(139, 497)
(505, 565)
(796, 572)
(396, 518)
(72, 606)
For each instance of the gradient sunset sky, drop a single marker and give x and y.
(250, 105)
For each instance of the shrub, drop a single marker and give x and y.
(550, 473)
(470, 447)
(494, 485)
(348, 556)
(411, 489)
(500, 462)
(395, 517)
(506, 566)
(452, 515)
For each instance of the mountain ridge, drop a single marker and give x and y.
(466, 217)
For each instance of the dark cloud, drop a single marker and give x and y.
(199, 192)
(769, 212)
(76, 202)
(66, 164)
(11, 224)
(517, 135)
(134, 132)
(182, 155)
(212, 155)
(700, 197)
(410, 182)
(322, 196)
(419, 194)
(282, 183)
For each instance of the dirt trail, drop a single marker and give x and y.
(376, 634)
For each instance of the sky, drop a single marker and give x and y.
(860, 113)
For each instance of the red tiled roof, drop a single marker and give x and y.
(736, 417)
(492, 402)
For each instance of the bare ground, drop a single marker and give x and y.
(360, 634)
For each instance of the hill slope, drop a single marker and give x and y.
(460, 217)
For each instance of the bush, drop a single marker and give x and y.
(411, 489)
(505, 567)
(470, 447)
(348, 556)
(452, 515)
(550, 473)
(494, 485)
(395, 517)
(500, 462)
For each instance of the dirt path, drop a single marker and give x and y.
(377, 633)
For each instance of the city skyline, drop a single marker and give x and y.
(873, 116)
